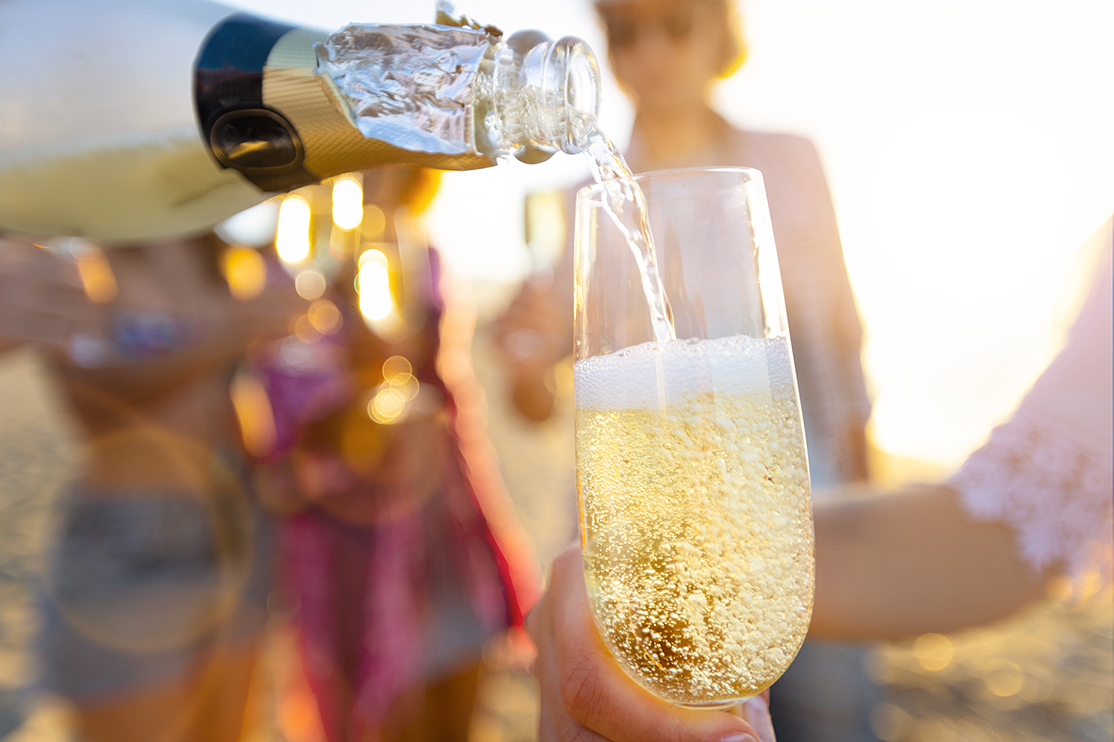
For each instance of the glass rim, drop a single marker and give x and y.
(589, 191)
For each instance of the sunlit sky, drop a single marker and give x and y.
(970, 149)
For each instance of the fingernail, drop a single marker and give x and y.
(737, 738)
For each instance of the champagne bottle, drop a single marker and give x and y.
(134, 120)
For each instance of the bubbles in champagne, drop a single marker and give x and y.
(695, 513)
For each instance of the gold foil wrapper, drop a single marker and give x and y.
(332, 143)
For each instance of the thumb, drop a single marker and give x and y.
(597, 694)
(756, 711)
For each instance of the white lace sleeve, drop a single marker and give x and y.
(1054, 490)
(1048, 471)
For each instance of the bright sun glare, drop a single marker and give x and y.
(968, 147)
(967, 207)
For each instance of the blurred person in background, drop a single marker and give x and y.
(1032, 505)
(399, 547)
(667, 55)
(154, 594)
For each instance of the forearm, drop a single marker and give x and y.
(909, 563)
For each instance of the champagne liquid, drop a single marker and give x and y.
(695, 516)
(626, 205)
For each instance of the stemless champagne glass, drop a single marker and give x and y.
(693, 482)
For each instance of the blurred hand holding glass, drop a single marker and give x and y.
(691, 469)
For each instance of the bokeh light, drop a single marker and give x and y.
(348, 203)
(408, 385)
(405, 384)
(373, 283)
(253, 410)
(934, 651)
(374, 223)
(387, 406)
(310, 284)
(396, 366)
(1003, 678)
(298, 718)
(292, 240)
(96, 274)
(890, 723)
(245, 271)
(325, 316)
(305, 331)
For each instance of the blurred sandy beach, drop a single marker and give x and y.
(1045, 675)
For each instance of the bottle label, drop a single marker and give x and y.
(242, 132)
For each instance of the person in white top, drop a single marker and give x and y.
(1033, 503)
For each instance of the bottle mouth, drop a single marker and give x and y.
(549, 96)
(581, 86)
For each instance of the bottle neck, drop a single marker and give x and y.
(534, 97)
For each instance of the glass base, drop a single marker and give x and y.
(714, 705)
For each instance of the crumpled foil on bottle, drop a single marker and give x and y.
(409, 86)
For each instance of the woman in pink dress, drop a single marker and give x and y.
(399, 547)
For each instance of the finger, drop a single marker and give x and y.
(554, 725)
(35, 264)
(42, 298)
(35, 283)
(595, 691)
(46, 330)
(46, 300)
(547, 732)
(756, 711)
(558, 727)
(550, 710)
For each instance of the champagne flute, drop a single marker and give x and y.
(692, 476)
